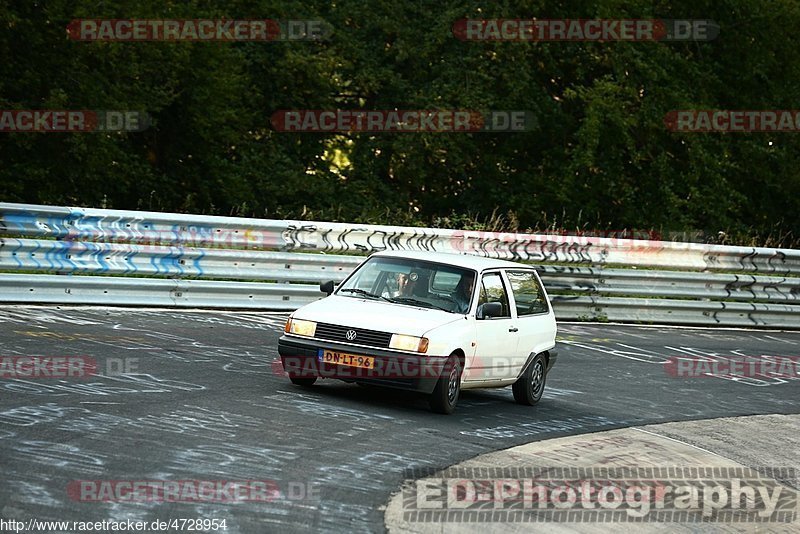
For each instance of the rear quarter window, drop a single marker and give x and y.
(528, 293)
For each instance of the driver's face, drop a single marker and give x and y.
(405, 283)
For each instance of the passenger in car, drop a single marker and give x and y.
(463, 293)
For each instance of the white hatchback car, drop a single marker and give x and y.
(430, 322)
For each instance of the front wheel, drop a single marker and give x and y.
(530, 386)
(445, 395)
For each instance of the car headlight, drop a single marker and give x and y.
(300, 327)
(409, 343)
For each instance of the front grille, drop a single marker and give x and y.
(335, 332)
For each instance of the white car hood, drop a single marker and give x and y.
(375, 315)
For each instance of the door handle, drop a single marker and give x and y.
(513, 329)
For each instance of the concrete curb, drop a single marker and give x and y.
(759, 442)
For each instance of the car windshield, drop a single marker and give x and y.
(412, 283)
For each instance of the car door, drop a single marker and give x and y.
(535, 322)
(496, 337)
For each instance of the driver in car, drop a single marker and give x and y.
(406, 284)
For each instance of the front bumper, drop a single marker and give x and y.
(415, 372)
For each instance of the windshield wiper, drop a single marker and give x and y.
(362, 292)
(409, 300)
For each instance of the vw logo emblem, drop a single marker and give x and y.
(350, 335)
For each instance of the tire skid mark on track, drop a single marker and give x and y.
(310, 405)
(579, 425)
(53, 455)
(145, 383)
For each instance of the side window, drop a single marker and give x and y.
(493, 290)
(527, 293)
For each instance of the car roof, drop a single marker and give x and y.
(469, 261)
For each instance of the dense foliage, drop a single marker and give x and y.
(599, 156)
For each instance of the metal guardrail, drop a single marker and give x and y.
(206, 259)
(121, 291)
(41, 255)
(118, 291)
(46, 256)
(664, 311)
(87, 224)
(76, 290)
(670, 284)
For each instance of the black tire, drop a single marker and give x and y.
(445, 395)
(305, 381)
(529, 388)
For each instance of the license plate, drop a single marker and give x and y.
(344, 358)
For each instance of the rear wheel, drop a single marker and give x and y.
(303, 381)
(445, 395)
(530, 386)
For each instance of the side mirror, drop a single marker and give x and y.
(326, 287)
(493, 309)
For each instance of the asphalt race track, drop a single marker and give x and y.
(197, 396)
